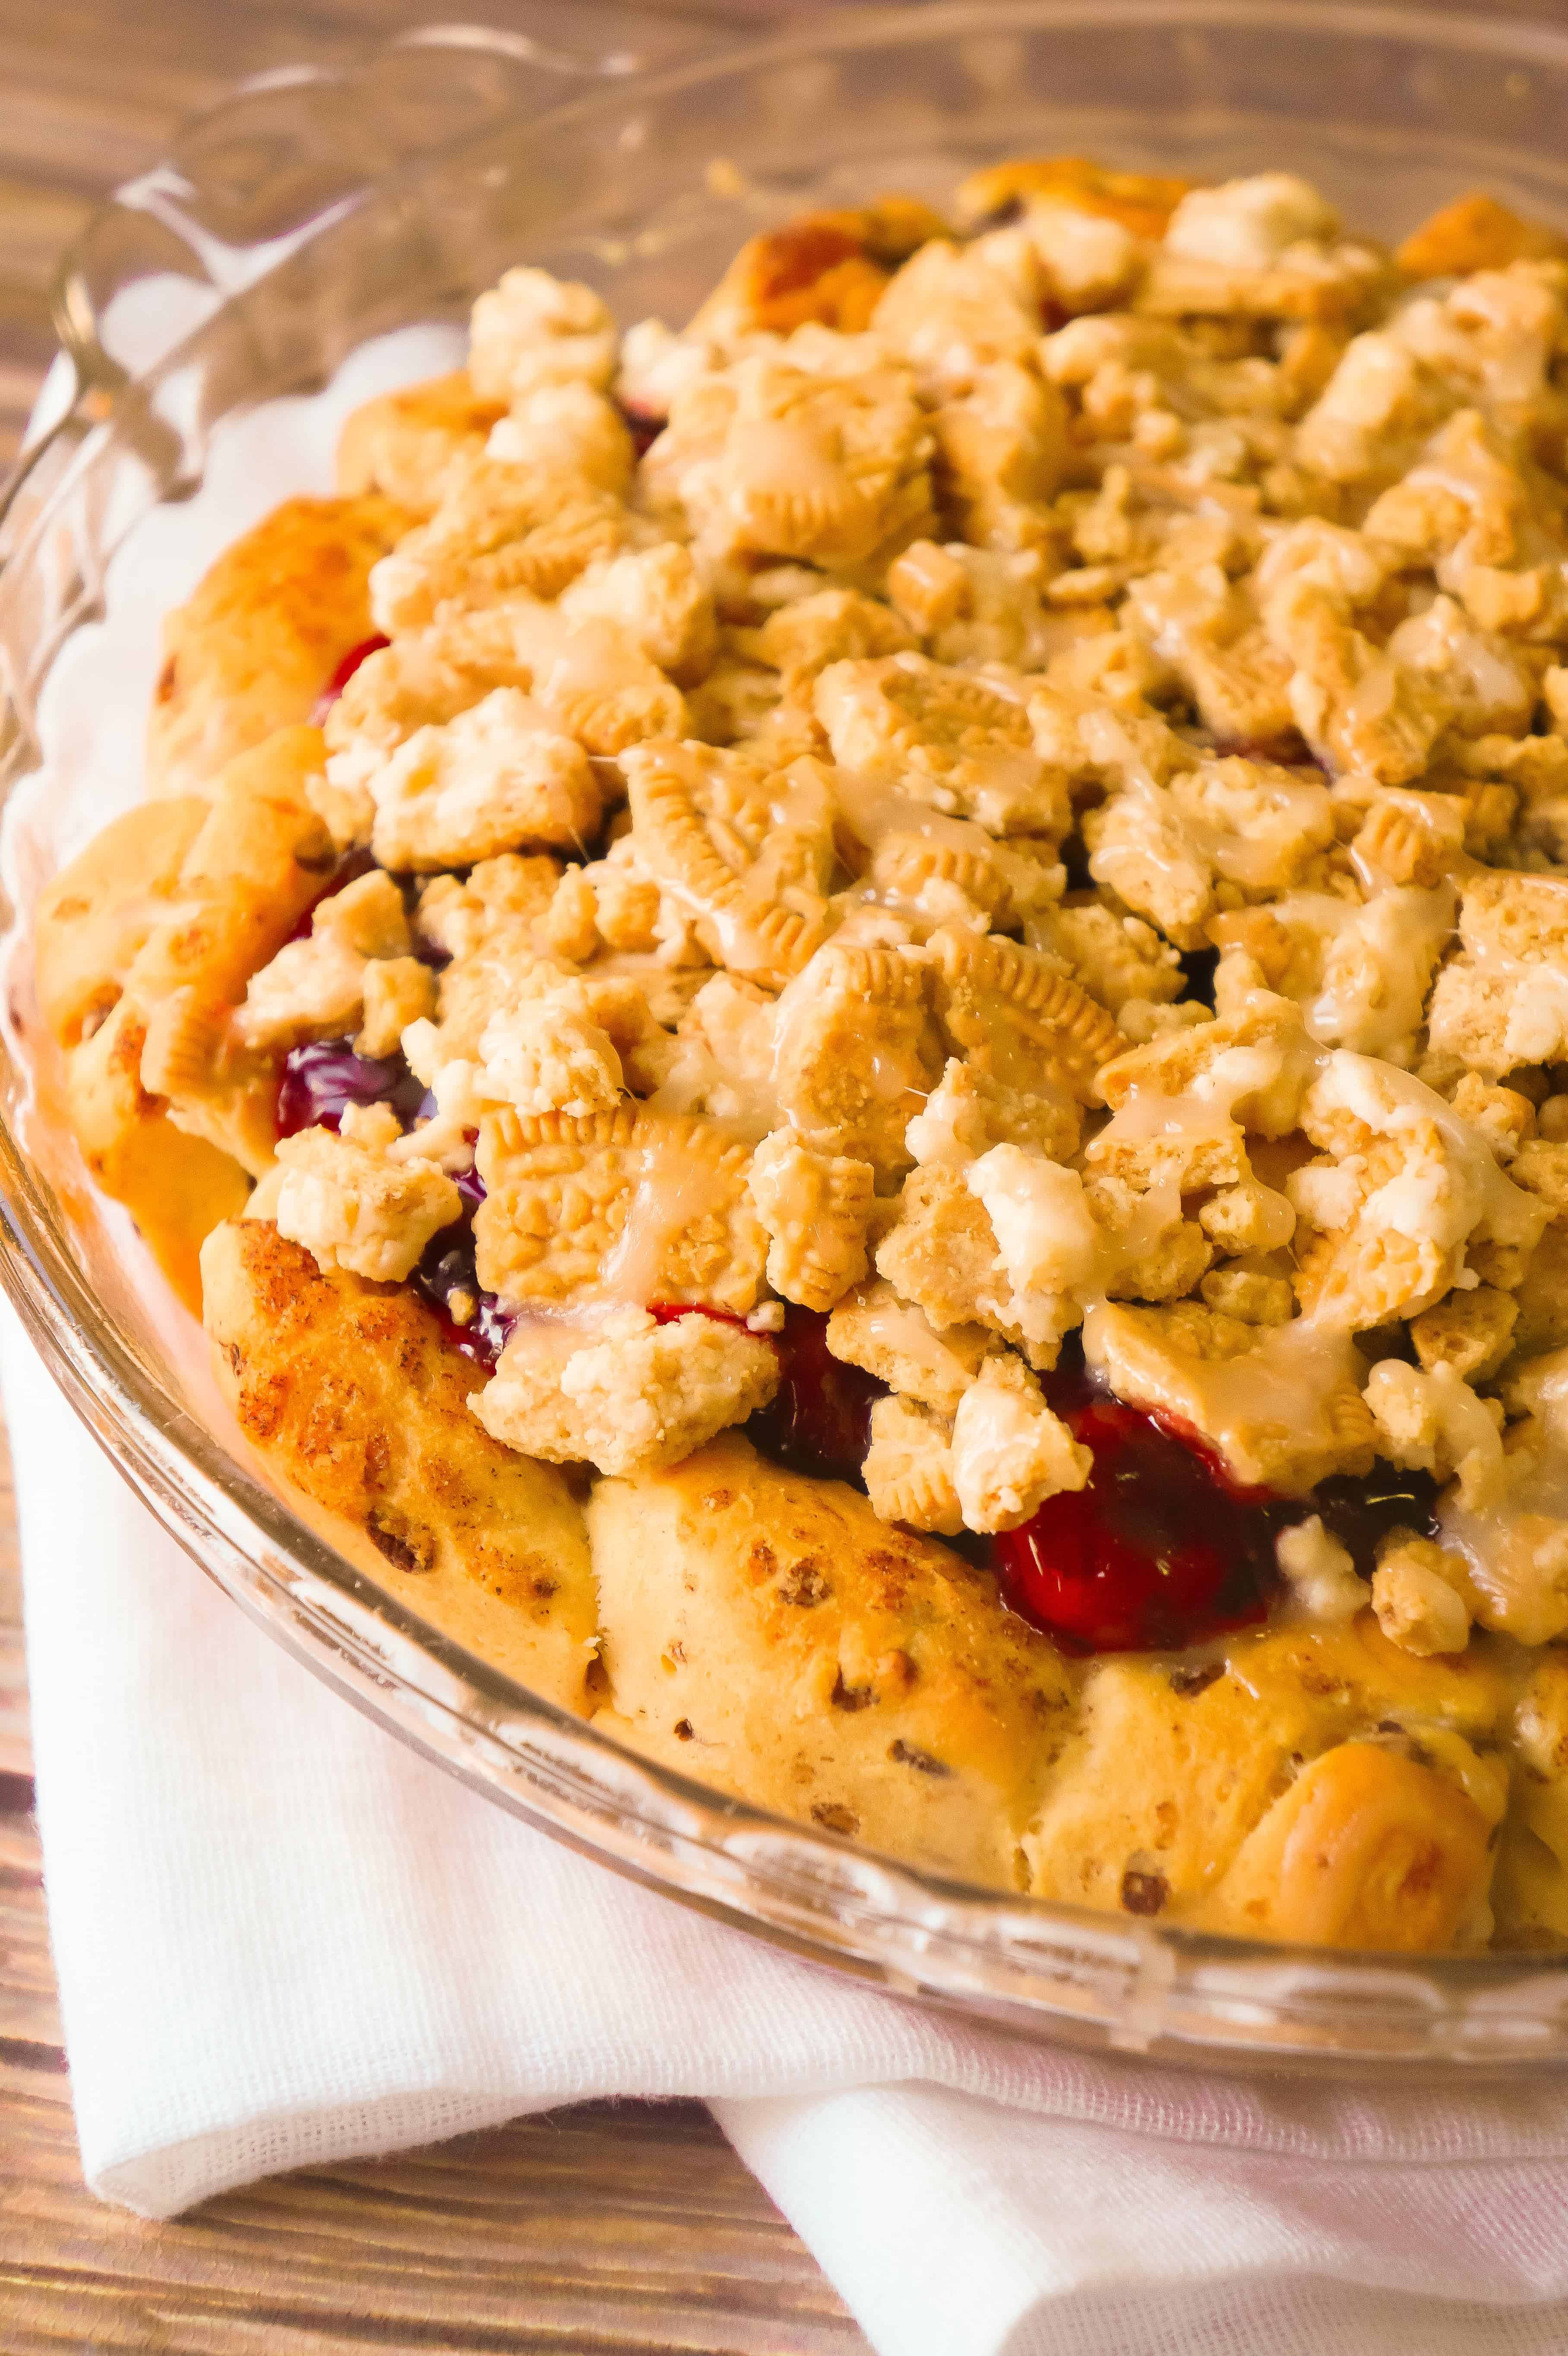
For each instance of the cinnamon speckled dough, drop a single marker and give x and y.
(176, 1187)
(167, 913)
(1161, 1798)
(765, 1631)
(1531, 1893)
(253, 648)
(95, 915)
(1368, 1848)
(401, 444)
(251, 868)
(350, 1391)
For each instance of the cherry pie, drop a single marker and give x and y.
(855, 1023)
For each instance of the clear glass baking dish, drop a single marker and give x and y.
(316, 211)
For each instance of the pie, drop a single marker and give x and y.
(854, 1025)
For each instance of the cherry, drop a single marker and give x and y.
(321, 1079)
(820, 1417)
(346, 871)
(1157, 1552)
(339, 678)
(319, 1082)
(447, 1267)
(1360, 1513)
(644, 427)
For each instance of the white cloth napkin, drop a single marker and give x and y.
(282, 1938)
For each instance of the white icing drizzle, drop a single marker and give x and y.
(575, 656)
(1207, 1109)
(1537, 1026)
(1515, 1541)
(1047, 1236)
(872, 809)
(780, 458)
(1050, 1246)
(997, 775)
(1476, 1194)
(1251, 858)
(895, 1326)
(673, 1192)
(728, 1068)
(1287, 1378)
(1378, 970)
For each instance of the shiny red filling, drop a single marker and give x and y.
(337, 878)
(446, 1279)
(820, 1418)
(320, 1081)
(1160, 1550)
(1157, 1552)
(644, 426)
(341, 676)
(1163, 1548)
(472, 1320)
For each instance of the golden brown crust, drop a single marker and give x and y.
(94, 918)
(826, 267)
(1180, 1781)
(259, 859)
(350, 1391)
(176, 1187)
(133, 1026)
(1474, 233)
(253, 649)
(765, 1631)
(1530, 1894)
(401, 444)
(1141, 202)
(1368, 1848)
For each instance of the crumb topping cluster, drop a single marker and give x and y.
(1037, 805)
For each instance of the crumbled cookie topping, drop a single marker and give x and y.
(1039, 801)
(627, 1397)
(318, 988)
(352, 1205)
(1420, 1594)
(1009, 1452)
(1319, 1572)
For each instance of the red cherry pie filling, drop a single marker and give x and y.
(344, 672)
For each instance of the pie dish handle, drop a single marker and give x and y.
(252, 178)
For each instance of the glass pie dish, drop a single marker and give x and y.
(291, 244)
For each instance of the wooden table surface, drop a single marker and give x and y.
(609, 2229)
